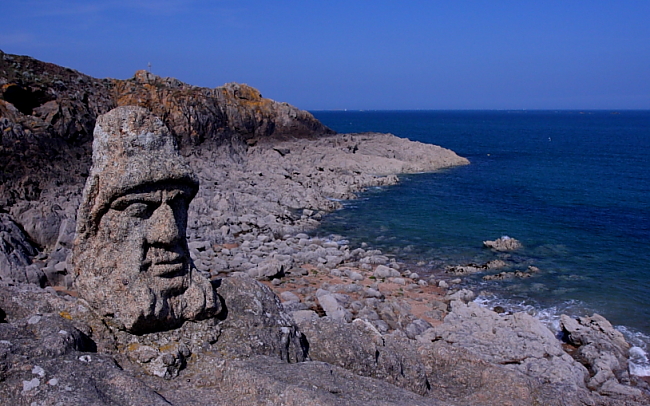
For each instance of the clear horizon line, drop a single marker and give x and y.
(516, 110)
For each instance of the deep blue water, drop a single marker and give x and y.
(573, 187)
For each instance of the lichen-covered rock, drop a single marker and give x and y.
(48, 354)
(268, 381)
(197, 114)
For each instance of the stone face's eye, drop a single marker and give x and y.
(137, 206)
(140, 209)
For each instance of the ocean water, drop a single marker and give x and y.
(573, 187)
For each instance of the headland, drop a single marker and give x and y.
(307, 320)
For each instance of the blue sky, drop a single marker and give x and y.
(315, 54)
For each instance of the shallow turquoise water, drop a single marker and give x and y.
(574, 187)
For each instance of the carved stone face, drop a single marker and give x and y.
(131, 257)
(145, 235)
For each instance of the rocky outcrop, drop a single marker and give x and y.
(16, 252)
(54, 350)
(265, 168)
(255, 323)
(474, 268)
(517, 341)
(603, 350)
(354, 326)
(285, 187)
(519, 373)
(528, 273)
(196, 114)
(47, 116)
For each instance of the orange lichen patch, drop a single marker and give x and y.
(168, 347)
(132, 347)
(65, 291)
(65, 315)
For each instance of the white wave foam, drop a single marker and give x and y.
(549, 316)
(639, 362)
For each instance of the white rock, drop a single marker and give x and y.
(289, 297)
(382, 271)
(335, 272)
(463, 295)
(333, 308)
(304, 315)
(31, 384)
(399, 281)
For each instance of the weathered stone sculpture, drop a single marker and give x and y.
(131, 258)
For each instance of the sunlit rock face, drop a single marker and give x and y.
(131, 258)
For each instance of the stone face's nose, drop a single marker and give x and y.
(163, 227)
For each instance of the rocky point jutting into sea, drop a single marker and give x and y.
(154, 250)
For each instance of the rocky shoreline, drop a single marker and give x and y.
(308, 320)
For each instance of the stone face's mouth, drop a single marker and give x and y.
(164, 264)
(167, 270)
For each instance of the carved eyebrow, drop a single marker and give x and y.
(124, 201)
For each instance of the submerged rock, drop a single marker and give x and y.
(504, 243)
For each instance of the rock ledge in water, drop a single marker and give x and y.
(504, 243)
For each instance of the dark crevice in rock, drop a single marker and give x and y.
(25, 100)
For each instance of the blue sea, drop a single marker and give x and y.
(572, 186)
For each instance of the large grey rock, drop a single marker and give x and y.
(519, 341)
(360, 348)
(266, 381)
(334, 308)
(47, 355)
(131, 257)
(255, 323)
(437, 369)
